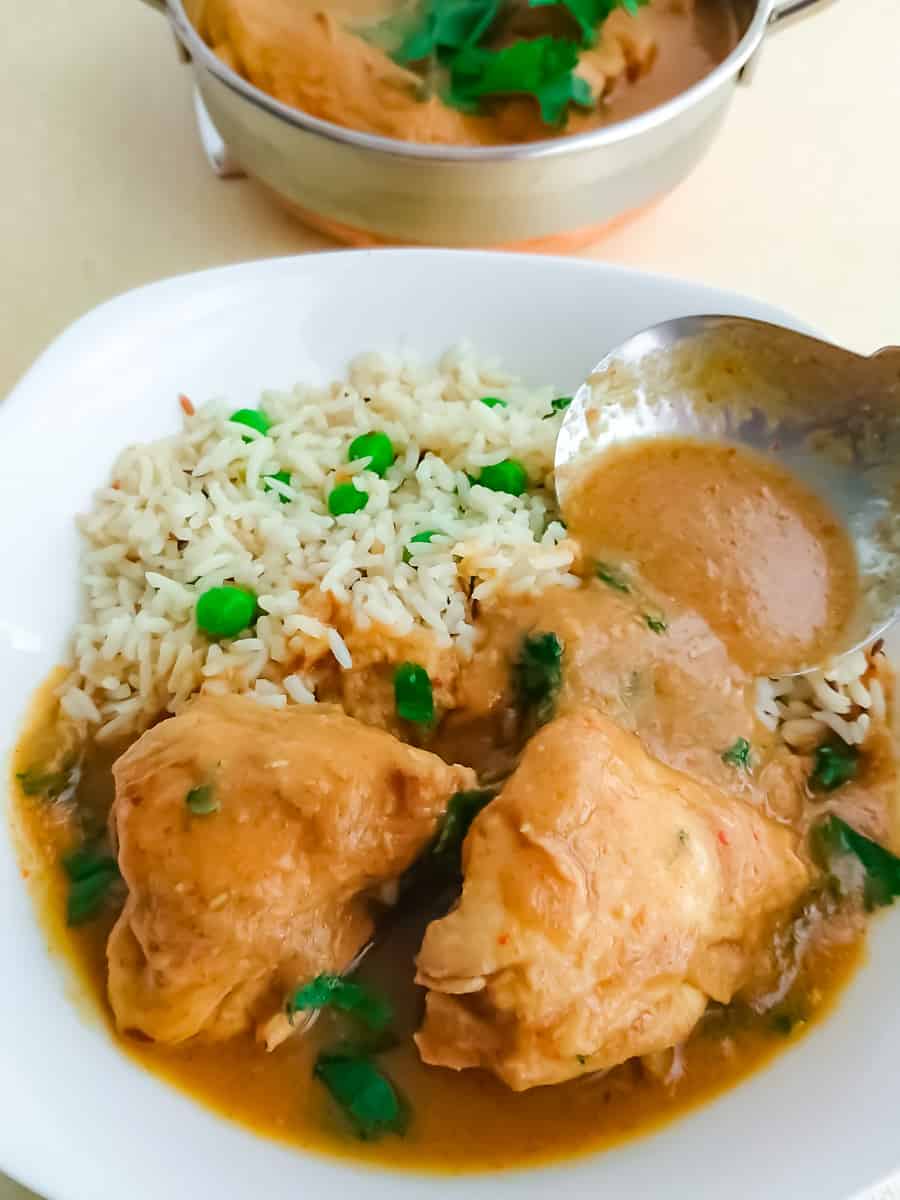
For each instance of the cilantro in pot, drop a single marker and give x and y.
(590, 14)
(447, 27)
(542, 68)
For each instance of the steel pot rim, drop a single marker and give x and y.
(595, 139)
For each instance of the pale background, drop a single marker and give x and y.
(106, 187)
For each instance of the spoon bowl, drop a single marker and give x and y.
(829, 416)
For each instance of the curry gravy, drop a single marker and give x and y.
(729, 535)
(333, 60)
(460, 1121)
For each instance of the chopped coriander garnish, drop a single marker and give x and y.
(462, 810)
(835, 763)
(590, 13)
(507, 476)
(366, 1096)
(581, 1059)
(833, 839)
(202, 801)
(375, 446)
(656, 624)
(91, 873)
(49, 784)
(537, 676)
(280, 477)
(345, 995)
(448, 26)
(346, 498)
(738, 755)
(560, 404)
(611, 577)
(451, 32)
(541, 67)
(413, 696)
(493, 402)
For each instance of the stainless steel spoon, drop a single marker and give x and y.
(830, 416)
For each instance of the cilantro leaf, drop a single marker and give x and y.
(835, 764)
(541, 68)
(462, 810)
(590, 14)
(368, 1097)
(49, 784)
(91, 874)
(738, 755)
(611, 577)
(448, 26)
(537, 676)
(833, 839)
(336, 992)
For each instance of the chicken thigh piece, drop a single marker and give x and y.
(248, 838)
(607, 898)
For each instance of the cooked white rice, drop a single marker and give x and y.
(195, 510)
(843, 699)
(191, 512)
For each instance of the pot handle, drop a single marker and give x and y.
(781, 12)
(161, 6)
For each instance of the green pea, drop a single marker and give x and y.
(425, 536)
(493, 402)
(345, 498)
(254, 418)
(222, 612)
(507, 476)
(282, 477)
(376, 446)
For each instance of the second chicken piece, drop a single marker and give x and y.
(607, 898)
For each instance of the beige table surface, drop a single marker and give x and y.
(106, 187)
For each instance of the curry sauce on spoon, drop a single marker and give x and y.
(729, 534)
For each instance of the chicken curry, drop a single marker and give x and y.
(576, 886)
(469, 72)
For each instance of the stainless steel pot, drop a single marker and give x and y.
(553, 194)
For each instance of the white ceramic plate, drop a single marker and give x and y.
(79, 1121)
